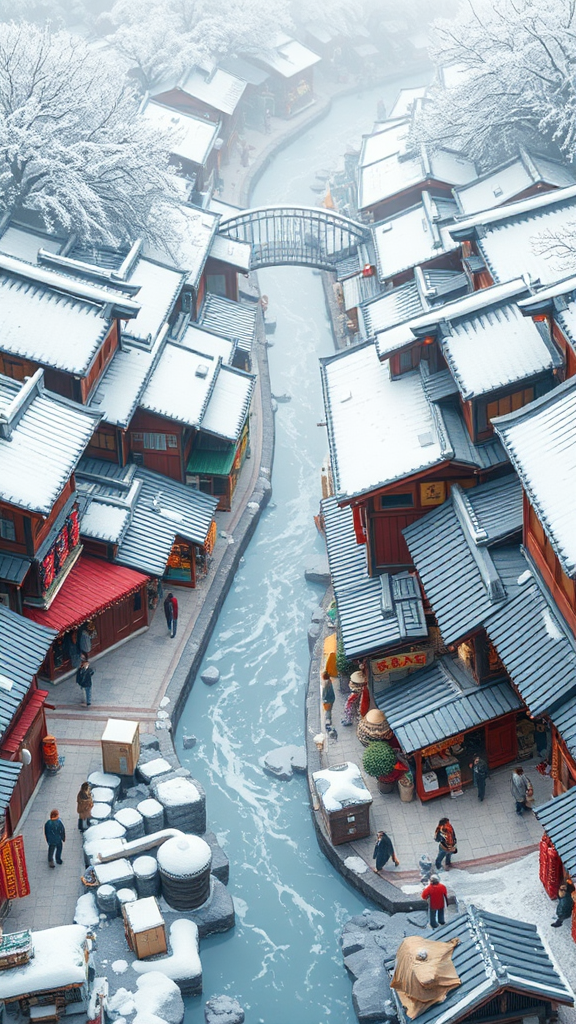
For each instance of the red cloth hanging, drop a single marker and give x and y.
(364, 701)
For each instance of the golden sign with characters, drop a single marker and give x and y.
(400, 661)
(433, 493)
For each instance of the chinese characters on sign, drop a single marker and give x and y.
(13, 871)
(400, 661)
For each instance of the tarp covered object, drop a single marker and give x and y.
(424, 973)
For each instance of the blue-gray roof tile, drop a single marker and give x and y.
(23, 647)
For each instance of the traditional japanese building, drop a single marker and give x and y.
(416, 237)
(193, 150)
(519, 178)
(210, 93)
(290, 65)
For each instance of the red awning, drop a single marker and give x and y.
(92, 586)
(17, 733)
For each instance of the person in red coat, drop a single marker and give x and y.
(437, 895)
(174, 623)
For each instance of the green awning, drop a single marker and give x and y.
(212, 463)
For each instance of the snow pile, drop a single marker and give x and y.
(58, 961)
(104, 847)
(148, 1018)
(121, 1004)
(159, 766)
(102, 795)
(159, 995)
(184, 857)
(178, 791)
(101, 811)
(341, 786)
(105, 830)
(128, 816)
(119, 966)
(86, 912)
(104, 779)
(356, 864)
(117, 872)
(183, 965)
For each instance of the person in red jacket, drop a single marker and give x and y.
(174, 623)
(437, 895)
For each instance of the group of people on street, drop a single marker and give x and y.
(54, 831)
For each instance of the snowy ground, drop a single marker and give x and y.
(515, 891)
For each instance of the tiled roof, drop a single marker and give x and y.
(42, 437)
(189, 234)
(9, 772)
(229, 403)
(535, 646)
(493, 954)
(159, 288)
(409, 239)
(503, 184)
(377, 612)
(564, 718)
(119, 390)
(231, 319)
(440, 701)
(558, 819)
(288, 57)
(180, 385)
(462, 579)
(23, 647)
(220, 89)
(391, 308)
(193, 137)
(540, 440)
(13, 568)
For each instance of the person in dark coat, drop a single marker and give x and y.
(565, 905)
(383, 851)
(479, 775)
(171, 613)
(55, 834)
(519, 787)
(327, 696)
(84, 679)
(84, 805)
(445, 836)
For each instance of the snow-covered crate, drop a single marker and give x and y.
(118, 873)
(145, 929)
(344, 801)
(120, 746)
(146, 876)
(184, 804)
(132, 821)
(153, 815)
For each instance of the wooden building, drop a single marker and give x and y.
(210, 93)
(290, 65)
(195, 150)
(393, 177)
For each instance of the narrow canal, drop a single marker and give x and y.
(282, 960)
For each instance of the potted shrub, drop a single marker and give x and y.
(344, 666)
(379, 761)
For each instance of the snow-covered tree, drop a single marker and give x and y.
(161, 38)
(72, 146)
(511, 78)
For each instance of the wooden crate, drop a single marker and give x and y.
(347, 824)
(120, 746)
(144, 927)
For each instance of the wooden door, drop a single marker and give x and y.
(501, 741)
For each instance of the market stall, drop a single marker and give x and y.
(442, 719)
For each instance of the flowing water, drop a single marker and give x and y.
(282, 960)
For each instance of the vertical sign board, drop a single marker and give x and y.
(13, 872)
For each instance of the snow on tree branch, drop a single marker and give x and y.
(72, 147)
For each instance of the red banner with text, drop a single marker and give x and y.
(13, 872)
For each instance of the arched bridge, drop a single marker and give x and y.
(308, 236)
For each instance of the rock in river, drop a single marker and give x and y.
(223, 1010)
(283, 761)
(210, 675)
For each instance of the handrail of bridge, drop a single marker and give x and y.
(318, 211)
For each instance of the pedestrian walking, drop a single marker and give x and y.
(168, 610)
(174, 627)
(383, 851)
(84, 676)
(519, 787)
(437, 896)
(55, 834)
(565, 904)
(445, 836)
(84, 805)
(479, 775)
(328, 697)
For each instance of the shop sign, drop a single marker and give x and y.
(398, 662)
(13, 870)
(438, 748)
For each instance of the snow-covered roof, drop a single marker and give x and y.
(180, 385)
(42, 437)
(503, 183)
(219, 90)
(466, 307)
(409, 239)
(389, 139)
(379, 430)
(204, 341)
(159, 289)
(192, 137)
(105, 522)
(540, 440)
(24, 243)
(288, 57)
(229, 403)
(231, 319)
(524, 208)
(189, 236)
(231, 250)
(58, 962)
(391, 308)
(379, 181)
(124, 380)
(341, 786)
(405, 100)
(495, 349)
